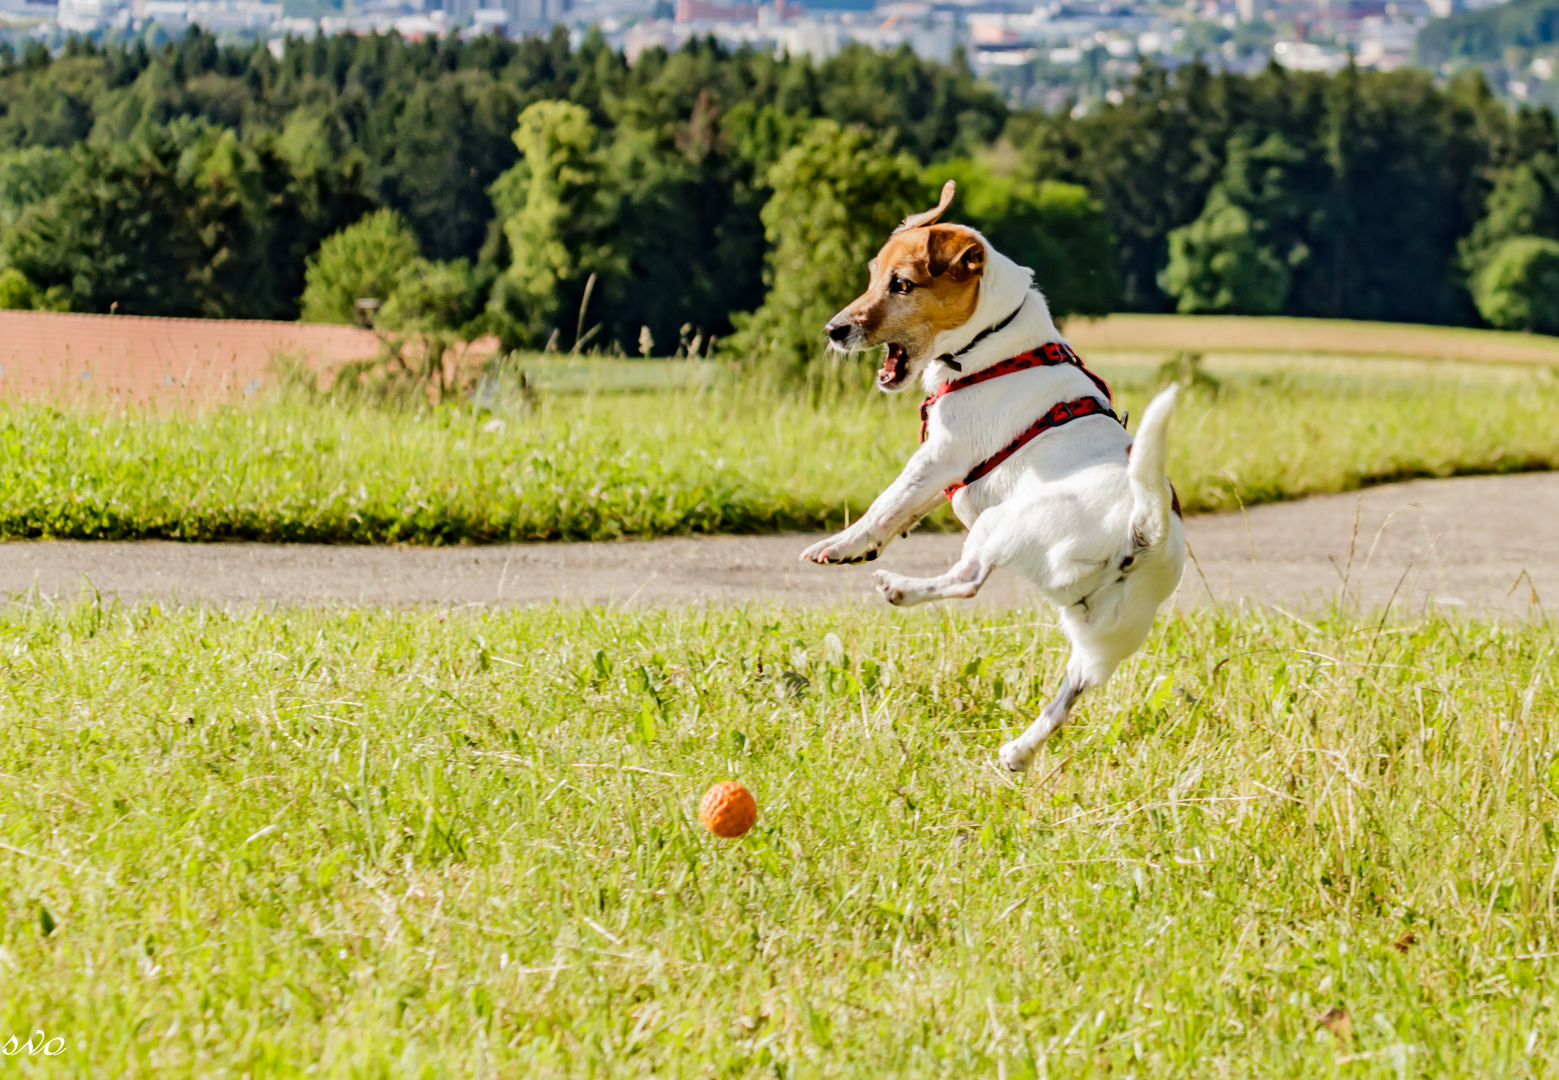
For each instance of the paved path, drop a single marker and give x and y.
(1477, 543)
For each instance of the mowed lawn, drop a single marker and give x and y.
(421, 844)
(593, 461)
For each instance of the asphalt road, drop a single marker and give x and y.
(1476, 544)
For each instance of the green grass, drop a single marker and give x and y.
(582, 374)
(411, 844)
(714, 459)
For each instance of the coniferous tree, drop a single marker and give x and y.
(161, 225)
(29, 175)
(452, 139)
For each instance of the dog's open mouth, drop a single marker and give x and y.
(895, 367)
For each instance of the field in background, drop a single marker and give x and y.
(111, 360)
(423, 844)
(158, 362)
(599, 448)
(598, 464)
(563, 374)
(1259, 345)
(1277, 334)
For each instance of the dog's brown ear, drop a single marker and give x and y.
(929, 217)
(953, 252)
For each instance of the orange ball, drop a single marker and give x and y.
(728, 809)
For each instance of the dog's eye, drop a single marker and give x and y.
(897, 284)
(1127, 561)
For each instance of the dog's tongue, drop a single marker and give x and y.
(892, 369)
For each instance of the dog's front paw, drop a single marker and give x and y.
(1014, 758)
(842, 548)
(890, 585)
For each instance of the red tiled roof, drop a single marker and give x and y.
(139, 360)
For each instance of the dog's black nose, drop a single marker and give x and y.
(838, 331)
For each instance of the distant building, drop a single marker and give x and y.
(707, 11)
(1307, 56)
(16, 10)
(459, 11)
(484, 19)
(84, 16)
(535, 11)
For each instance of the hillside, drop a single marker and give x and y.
(1483, 36)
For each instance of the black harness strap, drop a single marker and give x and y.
(951, 359)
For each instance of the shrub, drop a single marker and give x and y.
(1518, 288)
(1218, 264)
(1239, 255)
(19, 294)
(362, 261)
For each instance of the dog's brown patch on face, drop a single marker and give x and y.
(924, 281)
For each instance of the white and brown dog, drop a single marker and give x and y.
(1024, 441)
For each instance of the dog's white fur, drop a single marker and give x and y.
(1089, 525)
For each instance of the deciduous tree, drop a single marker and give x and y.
(1518, 287)
(559, 215)
(364, 261)
(1058, 230)
(837, 195)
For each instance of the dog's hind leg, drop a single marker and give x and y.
(1094, 658)
(1019, 753)
(959, 583)
(963, 580)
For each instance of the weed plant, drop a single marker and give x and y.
(398, 844)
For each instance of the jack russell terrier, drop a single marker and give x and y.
(1022, 438)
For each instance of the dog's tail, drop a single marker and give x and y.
(1151, 495)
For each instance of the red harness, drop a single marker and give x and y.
(1064, 412)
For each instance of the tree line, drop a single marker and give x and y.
(550, 194)
(1363, 195)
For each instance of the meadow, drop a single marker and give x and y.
(424, 843)
(1237, 334)
(462, 843)
(611, 449)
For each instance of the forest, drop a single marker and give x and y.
(557, 195)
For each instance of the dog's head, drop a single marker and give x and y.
(924, 282)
